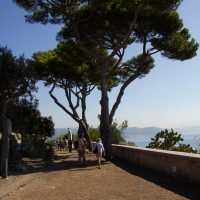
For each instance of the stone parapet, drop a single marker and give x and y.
(180, 165)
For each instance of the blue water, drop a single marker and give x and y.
(192, 138)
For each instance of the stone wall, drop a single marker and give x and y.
(180, 165)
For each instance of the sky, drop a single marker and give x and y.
(168, 97)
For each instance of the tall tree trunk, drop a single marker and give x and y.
(5, 137)
(105, 131)
(83, 105)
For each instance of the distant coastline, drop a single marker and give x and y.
(142, 136)
(133, 131)
(62, 131)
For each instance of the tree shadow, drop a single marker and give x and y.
(61, 161)
(180, 187)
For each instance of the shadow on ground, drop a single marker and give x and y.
(66, 161)
(180, 187)
(61, 161)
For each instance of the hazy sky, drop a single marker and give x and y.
(168, 97)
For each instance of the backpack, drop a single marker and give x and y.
(95, 150)
(76, 144)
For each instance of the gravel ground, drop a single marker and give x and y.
(64, 179)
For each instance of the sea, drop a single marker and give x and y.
(192, 138)
(142, 140)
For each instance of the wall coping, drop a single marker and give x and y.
(189, 156)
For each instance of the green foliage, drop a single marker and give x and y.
(123, 126)
(16, 81)
(35, 145)
(46, 127)
(168, 141)
(130, 143)
(131, 67)
(15, 77)
(117, 131)
(185, 148)
(23, 113)
(27, 121)
(26, 118)
(94, 133)
(74, 136)
(65, 137)
(116, 134)
(112, 26)
(49, 151)
(69, 66)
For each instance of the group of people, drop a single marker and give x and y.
(81, 150)
(64, 144)
(82, 144)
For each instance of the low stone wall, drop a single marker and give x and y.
(184, 166)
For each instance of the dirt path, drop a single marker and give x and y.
(64, 179)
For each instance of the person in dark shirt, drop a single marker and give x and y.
(70, 145)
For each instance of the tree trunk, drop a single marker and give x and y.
(83, 105)
(105, 132)
(82, 129)
(83, 126)
(5, 137)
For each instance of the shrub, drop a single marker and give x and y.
(168, 141)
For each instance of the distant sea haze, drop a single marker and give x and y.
(136, 130)
(142, 136)
(191, 138)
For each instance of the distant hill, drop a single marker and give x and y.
(131, 131)
(62, 131)
(188, 129)
(141, 131)
(135, 130)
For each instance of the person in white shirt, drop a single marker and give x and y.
(100, 151)
(81, 150)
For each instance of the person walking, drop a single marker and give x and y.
(81, 150)
(100, 151)
(70, 145)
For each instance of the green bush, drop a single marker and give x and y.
(48, 153)
(94, 133)
(117, 132)
(35, 146)
(168, 141)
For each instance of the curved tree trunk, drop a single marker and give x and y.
(83, 126)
